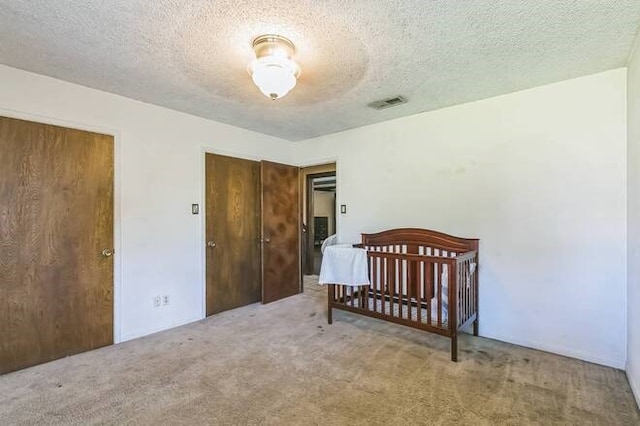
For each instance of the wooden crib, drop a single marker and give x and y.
(419, 278)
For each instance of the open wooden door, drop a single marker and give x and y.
(281, 276)
(56, 242)
(232, 232)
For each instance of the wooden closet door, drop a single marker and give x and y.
(232, 232)
(56, 218)
(281, 273)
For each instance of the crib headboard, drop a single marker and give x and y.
(416, 241)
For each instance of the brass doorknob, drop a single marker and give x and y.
(107, 252)
(211, 244)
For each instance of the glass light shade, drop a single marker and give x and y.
(275, 76)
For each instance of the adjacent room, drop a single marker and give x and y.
(304, 212)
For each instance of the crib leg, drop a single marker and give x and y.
(329, 299)
(454, 348)
(475, 327)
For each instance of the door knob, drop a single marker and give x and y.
(267, 239)
(211, 244)
(107, 252)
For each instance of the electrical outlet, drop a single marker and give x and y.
(165, 299)
(156, 301)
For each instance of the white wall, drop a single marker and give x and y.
(633, 216)
(159, 173)
(539, 176)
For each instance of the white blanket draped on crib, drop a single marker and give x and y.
(343, 264)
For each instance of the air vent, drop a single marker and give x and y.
(388, 103)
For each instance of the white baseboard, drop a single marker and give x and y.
(141, 333)
(634, 382)
(608, 362)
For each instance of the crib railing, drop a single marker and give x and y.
(433, 293)
(408, 281)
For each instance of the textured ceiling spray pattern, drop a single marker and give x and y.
(192, 55)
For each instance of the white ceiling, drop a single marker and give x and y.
(192, 55)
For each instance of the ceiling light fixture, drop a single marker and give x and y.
(274, 71)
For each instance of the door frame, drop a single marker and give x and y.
(338, 221)
(117, 205)
(310, 249)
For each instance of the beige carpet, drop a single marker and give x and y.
(281, 364)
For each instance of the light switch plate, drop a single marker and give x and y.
(343, 208)
(195, 209)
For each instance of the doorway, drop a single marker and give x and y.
(319, 221)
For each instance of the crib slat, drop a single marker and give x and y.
(380, 268)
(406, 300)
(393, 287)
(363, 291)
(428, 277)
(468, 280)
(399, 278)
(409, 266)
(463, 289)
(467, 290)
(470, 291)
(465, 293)
(438, 280)
(344, 294)
(422, 283)
(376, 278)
(391, 284)
(384, 274)
(473, 293)
(460, 296)
(412, 273)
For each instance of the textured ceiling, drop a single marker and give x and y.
(192, 55)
